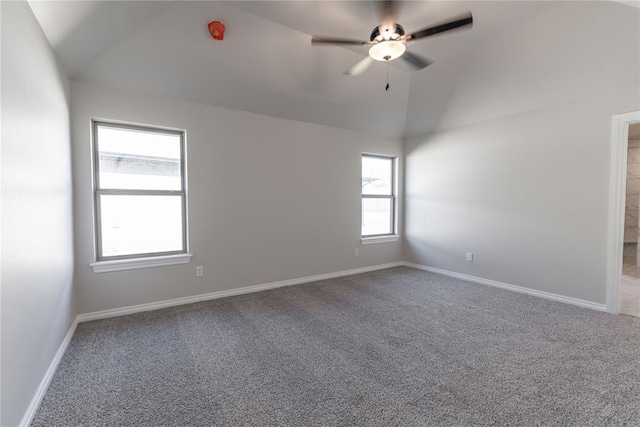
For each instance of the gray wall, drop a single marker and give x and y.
(37, 252)
(518, 169)
(269, 199)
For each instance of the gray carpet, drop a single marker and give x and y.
(398, 347)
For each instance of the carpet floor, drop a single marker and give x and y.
(397, 347)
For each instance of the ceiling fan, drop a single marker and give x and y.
(389, 41)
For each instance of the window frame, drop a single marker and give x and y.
(138, 260)
(392, 236)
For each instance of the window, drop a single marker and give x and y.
(140, 197)
(378, 196)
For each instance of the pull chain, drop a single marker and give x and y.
(387, 87)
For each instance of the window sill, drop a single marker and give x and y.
(379, 239)
(136, 263)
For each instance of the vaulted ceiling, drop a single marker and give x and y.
(266, 63)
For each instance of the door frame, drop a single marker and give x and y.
(617, 202)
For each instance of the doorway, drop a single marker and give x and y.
(623, 290)
(630, 285)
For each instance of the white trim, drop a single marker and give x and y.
(221, 294)
(135, 263)
(379, 239)
(44, 384)
(617, 201)
(507, 286)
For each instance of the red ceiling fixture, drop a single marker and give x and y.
(216, 28)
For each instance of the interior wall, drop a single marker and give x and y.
(269, 199)
(37, 243)
(517, 170)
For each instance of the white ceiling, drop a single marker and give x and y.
(634, 3)
(266, 63)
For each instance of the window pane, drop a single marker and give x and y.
(140, 224)
(138, 160)
(376, 216)
(377, 175)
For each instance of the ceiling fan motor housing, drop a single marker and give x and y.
(376, 35)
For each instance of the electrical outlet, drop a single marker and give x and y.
(357, 252)
(470, 256)
(199, 271)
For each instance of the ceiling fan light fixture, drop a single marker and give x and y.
(387, 50)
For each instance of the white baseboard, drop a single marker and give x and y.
(520, 289)
(221, 294)
(46, 380)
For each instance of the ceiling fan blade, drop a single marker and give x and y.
(331, 40)
(458, 22)
(416, 61)
(360, 66)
